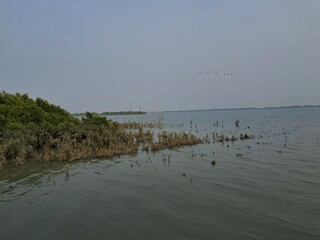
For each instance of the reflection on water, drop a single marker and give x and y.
(17, 182)
(265, 188)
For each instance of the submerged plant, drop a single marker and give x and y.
(237, 123)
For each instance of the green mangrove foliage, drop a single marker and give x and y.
(37, 130)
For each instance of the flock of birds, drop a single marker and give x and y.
(210, 72)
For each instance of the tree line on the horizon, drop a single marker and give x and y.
(113, 113)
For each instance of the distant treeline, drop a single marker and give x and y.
(124, 113)
(114, 113)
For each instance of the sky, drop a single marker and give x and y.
(100, 55)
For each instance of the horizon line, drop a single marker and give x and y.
(243, 108)
(208, 109)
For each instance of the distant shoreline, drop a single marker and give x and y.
(247, 108)
(197, 110)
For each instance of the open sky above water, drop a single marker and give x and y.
(121, 55)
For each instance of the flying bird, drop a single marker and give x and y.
(209, 72)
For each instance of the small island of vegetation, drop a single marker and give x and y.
(113, 113)
(124, 113)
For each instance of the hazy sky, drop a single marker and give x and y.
(101, 55)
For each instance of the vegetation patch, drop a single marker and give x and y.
(37, 130)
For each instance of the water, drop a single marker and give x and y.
(271, 192)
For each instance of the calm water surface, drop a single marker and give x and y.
(270, 192)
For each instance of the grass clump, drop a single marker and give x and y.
(171, 140)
